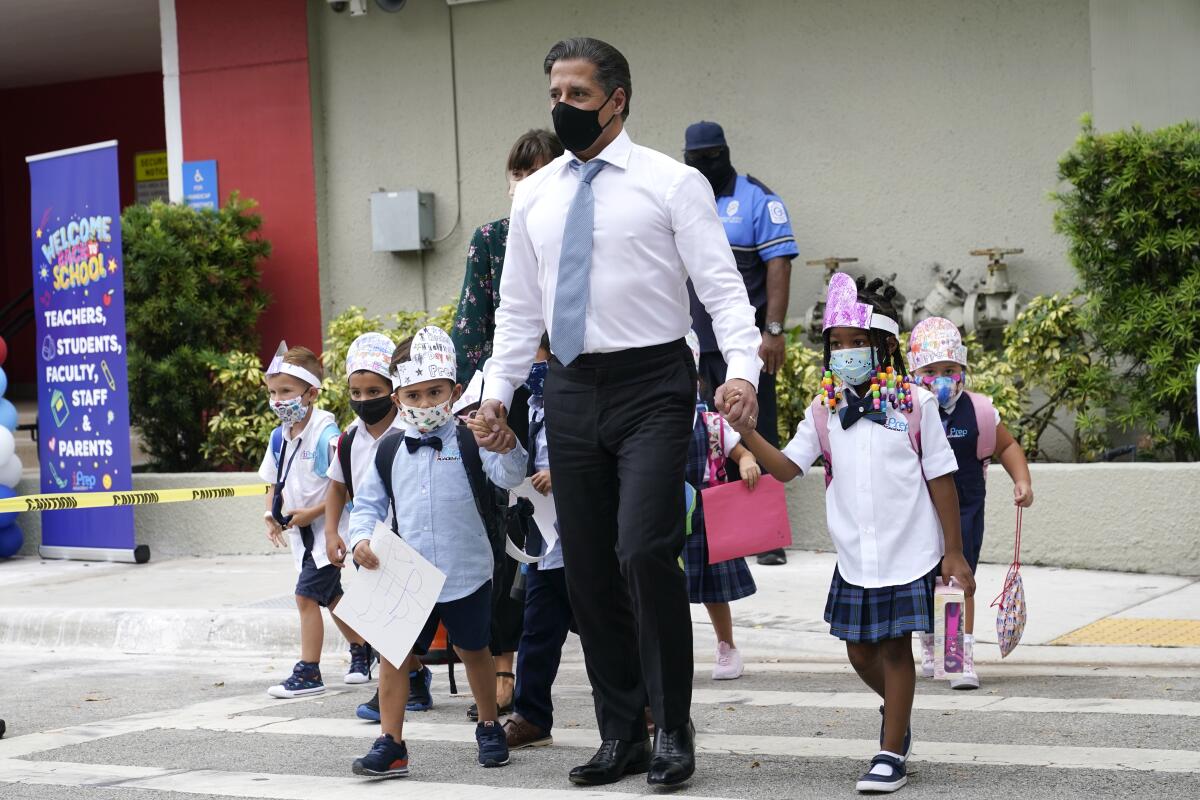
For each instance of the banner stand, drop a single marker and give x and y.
(138, 555)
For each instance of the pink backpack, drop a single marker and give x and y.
(985, 416)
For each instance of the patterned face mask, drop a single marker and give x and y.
(290, 411)
(853, 366)
(426, 420)
(945, 387)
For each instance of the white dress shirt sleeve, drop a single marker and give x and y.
(506, 470)
(804, 447)
(937, 457)
(370, 506)
(520, 320)
(704, 249)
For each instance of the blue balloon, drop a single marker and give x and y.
(11, 539)
(8, 517)
(8, 414)
(3, 382)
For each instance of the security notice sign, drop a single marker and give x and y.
(83, 401)
(150, 176)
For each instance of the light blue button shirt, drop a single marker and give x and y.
(435, 510)
(541, 460)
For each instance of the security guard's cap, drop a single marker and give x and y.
(703, 135)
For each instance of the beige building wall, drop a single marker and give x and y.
(901, 133)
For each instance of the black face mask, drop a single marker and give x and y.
(579, 128)
(717, 168)
(373, 410)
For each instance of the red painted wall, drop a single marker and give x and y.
(244, 92)
(39, 119)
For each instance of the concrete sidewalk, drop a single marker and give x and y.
(243, 605)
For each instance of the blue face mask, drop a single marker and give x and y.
(853, 366)
(536, 381)
(943, 387)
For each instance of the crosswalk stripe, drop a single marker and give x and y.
(271, 786)
(1058, 756)
(1006, 669)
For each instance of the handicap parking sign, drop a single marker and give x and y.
(200, 184)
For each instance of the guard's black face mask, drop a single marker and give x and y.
(716, 168)
(579, 128)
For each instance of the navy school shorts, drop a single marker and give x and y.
(323, 585)
(468, 621)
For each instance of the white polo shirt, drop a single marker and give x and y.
(362, 456)
(880, 515)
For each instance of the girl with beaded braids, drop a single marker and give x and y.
(890, 501)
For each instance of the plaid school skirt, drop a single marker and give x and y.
(857, 614)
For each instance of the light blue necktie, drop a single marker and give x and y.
(575, 267)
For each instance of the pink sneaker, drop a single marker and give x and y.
(729, 663)
(927, 655)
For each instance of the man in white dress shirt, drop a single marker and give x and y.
(602, 242)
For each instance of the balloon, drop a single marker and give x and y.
(3, 382)
(9, 517)
(10, 471)
(11, 539)
(8, 414)
(3, 350)
(8, 445)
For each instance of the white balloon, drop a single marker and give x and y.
(8, 444)
(10, 471)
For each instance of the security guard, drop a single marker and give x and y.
(760, 234)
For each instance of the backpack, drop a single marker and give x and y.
(985, 420)
(820, 415)
(345, 443)
(322, 456)
(490, 501)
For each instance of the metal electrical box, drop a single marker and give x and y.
(401, 220)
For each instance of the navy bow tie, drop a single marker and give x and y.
(415, 444)
(857, 408)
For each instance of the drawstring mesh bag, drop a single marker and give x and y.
(1010, 604)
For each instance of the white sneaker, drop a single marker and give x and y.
(927, 655)
(968, 679)
(729, 663)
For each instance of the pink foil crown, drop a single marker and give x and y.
(842, 309)
(933, 340)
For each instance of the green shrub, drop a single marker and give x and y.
(1132, 220)
(191, 291)
(238, 432)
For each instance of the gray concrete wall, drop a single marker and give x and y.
(901, 133)
(1123, 517)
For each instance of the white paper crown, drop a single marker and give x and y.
(371, 352)
(431, 357)
(279, 366)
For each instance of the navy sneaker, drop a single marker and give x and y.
(370, 709)
(887, 774)
(305, 680)
(420, 698)
(493, 744)
(362, 656)
(907, 736)
(386, 759)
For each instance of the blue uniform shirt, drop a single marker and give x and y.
(759, 229)
(435, 510)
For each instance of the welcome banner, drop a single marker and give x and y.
(83, 394)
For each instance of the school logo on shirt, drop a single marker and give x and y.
(956, 433)
(894, 424)
(777, 211)
(732, 208)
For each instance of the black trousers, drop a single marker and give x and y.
(547, 622)
(618, 426)
(712, 372)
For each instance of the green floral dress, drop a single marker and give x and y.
(475, 321)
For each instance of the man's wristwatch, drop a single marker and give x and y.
(775, 329)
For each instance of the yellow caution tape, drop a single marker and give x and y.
(60, 502)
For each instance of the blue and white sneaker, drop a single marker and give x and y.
(362, 657)
(493, 744)
(386, 759)
(370, 709)
(305, 680)
(908, 742)
(420, 696)
(887, 774)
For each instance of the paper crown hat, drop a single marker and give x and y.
(280, 367)
(843, 309)
(371, 352)
(431, 357)
(933, 340)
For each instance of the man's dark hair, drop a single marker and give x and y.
(533, 150)
(612, 70)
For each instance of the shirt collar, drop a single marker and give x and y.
(617, 152)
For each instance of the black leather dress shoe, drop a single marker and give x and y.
(674, 758)
(614, 760)
(773, 558)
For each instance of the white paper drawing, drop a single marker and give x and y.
(543, 513)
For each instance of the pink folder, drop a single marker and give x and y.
(740, 522)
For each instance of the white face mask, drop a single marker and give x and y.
(426, 419)
(290, 411)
